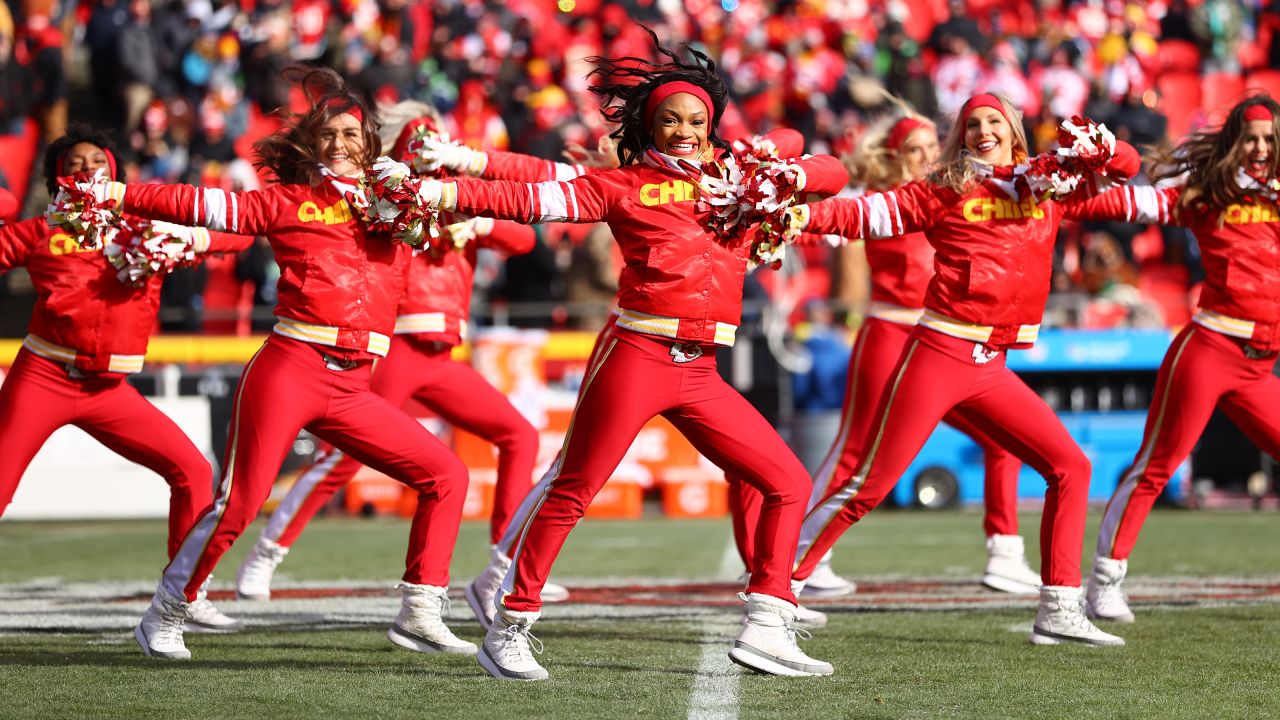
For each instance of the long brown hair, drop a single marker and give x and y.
(954, 171)
(1211, 157)
(290, 152)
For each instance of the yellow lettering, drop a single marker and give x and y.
(63, 244)
(669, 192)
(978, 209)
(308, 212)
(649, 195)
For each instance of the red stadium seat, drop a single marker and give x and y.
(1221, 91)
(1180, 101)
(1268, 80)
(1178, 56)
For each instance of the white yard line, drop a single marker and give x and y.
(715, 688)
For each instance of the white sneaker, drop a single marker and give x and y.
(768, 642)
(809, 619)
(253, 579)
(824, 582)
(1105, 600)
(205, 618)
(1007, 569)
(481, 592)
(1061, 618)
(160, 630)
(554, 593)
(507, 652)
(420, 624)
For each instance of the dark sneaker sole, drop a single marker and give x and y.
(417, 643)
(141, 637)
(493, 668)
(749, 657)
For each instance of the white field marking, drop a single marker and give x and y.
(714, 695)
(112, 609)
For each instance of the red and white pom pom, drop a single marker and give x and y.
(721, 190)
(772, 187)
(774, 234)
(77, 209)
(757, 146)
(142, 250)
(423, 149)
(1085, 146)
(386, 201)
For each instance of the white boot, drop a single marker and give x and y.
(205, 618)
(507, 652)
(824, 582)
(420, 624)
(1007, 569)
(253, 579)
(160, 630)
(768, 642)
(481, 592)
(1061, 618)
(1105, 600)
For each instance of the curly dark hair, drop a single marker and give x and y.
(77, 132)
(623, 84)
(1212, 157)
(290, 151)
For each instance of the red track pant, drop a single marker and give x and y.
(938, 374)
(1202, 368)
(634, 379)
(450, 389)
(871, 364)
(39, 397)
(520, 518)
(286, 387)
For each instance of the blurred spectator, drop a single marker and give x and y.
(13, 79)
(592, 279)
(39, 45)
(139, 56)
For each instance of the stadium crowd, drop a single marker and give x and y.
(189, 85)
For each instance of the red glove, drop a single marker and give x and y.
(1124, 163)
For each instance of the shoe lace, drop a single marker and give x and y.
(518, 641)
(171, 621)
(797, 633)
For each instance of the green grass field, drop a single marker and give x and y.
(1209, 649)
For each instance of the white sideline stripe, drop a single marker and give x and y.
(714, 695)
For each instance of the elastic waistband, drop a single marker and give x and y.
(1225, 324)
(968, 331)
(894, 313)
(52, 351)
(432, 322)
(377, 343)
(667, 327)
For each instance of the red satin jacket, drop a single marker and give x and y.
(84, 316)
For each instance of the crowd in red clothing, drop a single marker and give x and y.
(189, 84)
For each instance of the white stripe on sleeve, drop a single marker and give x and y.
(880, 216)
(215, 209)
(552, 203)
(235, 213)
(1146, 205)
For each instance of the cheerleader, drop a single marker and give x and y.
(338, 292)
(431, 322)
(1226, 194)
(993, 240)
(680, 296)
(891, 155)
(88, 332)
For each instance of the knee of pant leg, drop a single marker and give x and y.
(1076, 468)
(521, 438)
(191, 469)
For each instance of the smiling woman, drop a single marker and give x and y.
(339, 288)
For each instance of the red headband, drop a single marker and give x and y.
(982, 100)
(1257, 112)
(401, 149)
(353, 108)
(666, 90)
(111, 161)
(901, 130)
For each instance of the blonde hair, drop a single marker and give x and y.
(394, 116)
(954, 171)
(872, 164)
